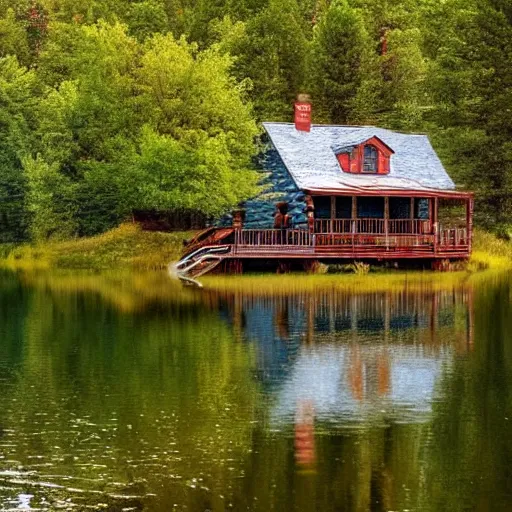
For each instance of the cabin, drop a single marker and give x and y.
(346, 193)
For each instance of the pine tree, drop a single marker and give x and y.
(272, 55)
(471, 86)
(343, 67)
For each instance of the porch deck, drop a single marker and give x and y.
(354, 239)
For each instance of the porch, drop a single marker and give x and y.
(389, 227)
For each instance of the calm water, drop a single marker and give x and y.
(132, 394)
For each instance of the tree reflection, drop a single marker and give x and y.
(469, 462)
(124, 403)
(234, 401)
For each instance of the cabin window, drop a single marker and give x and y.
(322, 207)
(370, 207)
(343, 207)
(371, 159)
(421, 208)
(399, 208)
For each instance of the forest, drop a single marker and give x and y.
(113, 106)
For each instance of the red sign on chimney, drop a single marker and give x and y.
(303, 116)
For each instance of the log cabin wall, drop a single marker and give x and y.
(277, 186)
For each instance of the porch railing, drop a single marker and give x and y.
(374, 226)
(396, 238)
(453, 237)
(274, 237)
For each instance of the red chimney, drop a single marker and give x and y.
(303, 113)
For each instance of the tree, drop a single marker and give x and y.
(403, 69)
(123, 126)
(189, 94)
(271, 52)
(343, 66)
(471, 83)
(51, 200)
(146, 18)
(170, 175)
(18, 93)
(13, 38)
(204, 12)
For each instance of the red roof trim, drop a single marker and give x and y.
(453, 194)
(375, 140)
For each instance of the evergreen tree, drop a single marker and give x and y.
(270, 51)
(403, 71)
(343, 67)
(471, 85)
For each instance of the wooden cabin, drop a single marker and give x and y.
(348, 193)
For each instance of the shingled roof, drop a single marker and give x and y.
(311, 160)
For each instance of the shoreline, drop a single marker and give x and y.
(132, 292)
(129, 248)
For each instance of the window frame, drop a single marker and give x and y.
(375, 150)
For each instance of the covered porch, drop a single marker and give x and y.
(381, 225)
(394, 220)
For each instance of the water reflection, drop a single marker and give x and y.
(113, 398)
(354, 356)
(356, 377)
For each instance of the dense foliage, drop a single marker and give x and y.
(111, 106)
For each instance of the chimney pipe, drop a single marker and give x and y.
(303, 113)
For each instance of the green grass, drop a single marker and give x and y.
(124, 247)
(5, 250)
(124, 266)
(490, 252)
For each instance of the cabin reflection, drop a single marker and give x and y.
(353, 356)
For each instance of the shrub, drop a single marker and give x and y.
(360, 268)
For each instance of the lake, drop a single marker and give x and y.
(128, 393)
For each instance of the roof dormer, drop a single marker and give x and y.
(369, 156)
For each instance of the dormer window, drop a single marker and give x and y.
(368, 156)
(371, 159)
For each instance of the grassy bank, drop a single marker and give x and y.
(490, 252)
(128, 247)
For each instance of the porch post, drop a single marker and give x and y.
(469, 221)
(411, 216)
(333, 212)
(354, 218)
(435, 223)
(386, 220)
(430, 218)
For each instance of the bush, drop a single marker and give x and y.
(357, 267)
(360, 268)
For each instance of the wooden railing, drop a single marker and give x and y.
(374, 226)
(453, 237)
(374, 240)
(334, 226)
(274, 237)
(397, 237)
(409, 226)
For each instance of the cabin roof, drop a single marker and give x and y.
(311, 159)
